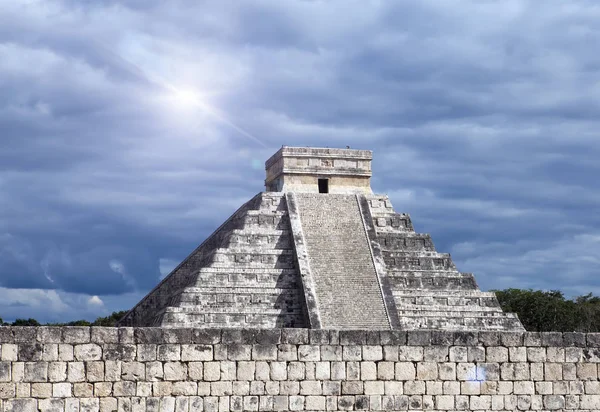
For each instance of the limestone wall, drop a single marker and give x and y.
(153, 369)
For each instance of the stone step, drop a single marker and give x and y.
(462, 323)
(385, 222)
(242, 310)
(235, 290)
(443, 314)
(236, 258)
(444, 293)
(444, 308)
(255, 239)
(282, 263)
(407, 241)
(422, 254)
(438, 283)
(223, 320)
(406, 261)
(426, 273)
(346, 284)
(247, 279)
(425, 301)
(256, 296)
(258, 218)
(272, 201)
(242, 270)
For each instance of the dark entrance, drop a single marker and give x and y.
(323, 185)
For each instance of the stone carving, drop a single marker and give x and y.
(344, 259)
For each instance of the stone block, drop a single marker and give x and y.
(8, 390)
(311, 388)
(393, 337)
(124, 388)
(368, 371)
(212, 371)
(119, 352)
(40, 390)
(434, 388)
(207, 336)
(196, 371)
(148, 335)
(375, 387)
(458, 354)
(101, 335)
(174, 371)
(309, 353)
(410, 353)
(466, 338)
(20, 405)
(30, 352)
(239, 352)
(497, 354)
(287, 352)
(196, 353)
(552, 339)
(475, 354)
(76, 334)
(318, 336)
(57, 371)
(554, 402)
(295, 336)
(36, 371)
(574, 339)
(9, 352)
(587, 371)
(414, 388)
(353, 337)
(482, 402)
(427, 371)
(405, 371)
(372, 353)
(332, 388)
(352, 388)
(524, 388)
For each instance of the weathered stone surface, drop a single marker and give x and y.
(339, 259)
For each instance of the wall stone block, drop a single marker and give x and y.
(93, 369)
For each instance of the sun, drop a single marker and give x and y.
(185, 98)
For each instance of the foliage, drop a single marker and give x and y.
(110, 320)
(541, 311)
(26, 322)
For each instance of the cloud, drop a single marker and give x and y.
(483, 119)
(95, 301)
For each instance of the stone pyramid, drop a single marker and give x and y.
(319, 250)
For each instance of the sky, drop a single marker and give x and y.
(130, 130)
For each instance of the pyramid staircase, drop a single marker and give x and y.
(429, 292)
(243, 275)
(348, 291)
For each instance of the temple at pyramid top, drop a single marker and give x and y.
(319, 170)
(318, 249)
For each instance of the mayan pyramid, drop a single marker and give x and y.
(318, 249)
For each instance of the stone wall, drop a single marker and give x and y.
(154, 369)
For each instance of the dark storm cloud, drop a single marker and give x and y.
(482, 116)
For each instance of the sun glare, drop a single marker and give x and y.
(186, 98)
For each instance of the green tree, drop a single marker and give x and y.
(26, 322)
(110, 320)
(551, 311)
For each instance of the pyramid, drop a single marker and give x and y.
(318, 249)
